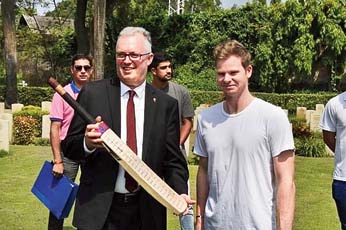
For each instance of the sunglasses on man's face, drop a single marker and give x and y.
(79, 68)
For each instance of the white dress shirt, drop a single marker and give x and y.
(139, 100)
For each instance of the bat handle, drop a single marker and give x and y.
(74, 104)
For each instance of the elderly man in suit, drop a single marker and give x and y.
(105, 199)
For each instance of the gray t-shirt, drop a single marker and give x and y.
(184, 100)
(240, 148)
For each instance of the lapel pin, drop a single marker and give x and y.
(154, 99)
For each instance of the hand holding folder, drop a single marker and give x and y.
(57, 194)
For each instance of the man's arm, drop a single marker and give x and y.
(329, 139)
(185, 129)
(58, 166)
(284, 174)
(202, 191)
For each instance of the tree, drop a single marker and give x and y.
(99, 32)
(9, 32)
(195, 6)
(80, 27)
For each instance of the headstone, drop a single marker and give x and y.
(16, 107)
(45, 106)
(2, 107)
(200, 108)
(45, 126)
(187, 145)
(315, 122)
(8, 117)
(301, 111)
(319, 108)
(4, 138)
(308, 116)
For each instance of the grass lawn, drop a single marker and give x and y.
(19, 209)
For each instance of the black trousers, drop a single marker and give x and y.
(54, 223)
(124, 213)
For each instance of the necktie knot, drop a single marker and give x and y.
(132, 93)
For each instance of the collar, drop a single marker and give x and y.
(139, 89)
(74, 87)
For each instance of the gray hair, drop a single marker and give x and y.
(130, 31)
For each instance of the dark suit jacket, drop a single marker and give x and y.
(99, 172)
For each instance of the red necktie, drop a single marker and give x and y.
(130, 183)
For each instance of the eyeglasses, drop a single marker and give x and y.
(79, 68)
(133, 56)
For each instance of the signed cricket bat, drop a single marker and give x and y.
(133, 165)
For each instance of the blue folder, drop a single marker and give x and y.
(57, 194)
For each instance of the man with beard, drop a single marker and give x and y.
(161, 69)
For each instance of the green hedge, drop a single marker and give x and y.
(35, 95)
(30, 95)
(286, 101)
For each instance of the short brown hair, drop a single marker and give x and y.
(232, 47)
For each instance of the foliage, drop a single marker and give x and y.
(311, 146)
(25, 129)
(34, 95)
(296, 45)
(290, 42)
(300, 128)
(39, 141)
(27, 125)
(63, 9)
(290, 53)
(307, 142)
(294, 100)
(40, 51)
(3, 153)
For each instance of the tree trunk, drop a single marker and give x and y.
(80, 28)
(10, 51)
(99, 32)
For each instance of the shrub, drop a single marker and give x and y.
(25, 129)
(312, 146)
(300, 128)
(41, 141)
(27, 124)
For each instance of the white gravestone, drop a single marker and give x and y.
(319, 108)
(315, 122)
(301, 111)
(200, 108)
(2, 107)
(16, 107)
(4, 138)
(8, 117)
(45, 126)
(308, 116)
(46, 105)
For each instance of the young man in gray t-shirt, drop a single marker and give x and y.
(161, 69)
